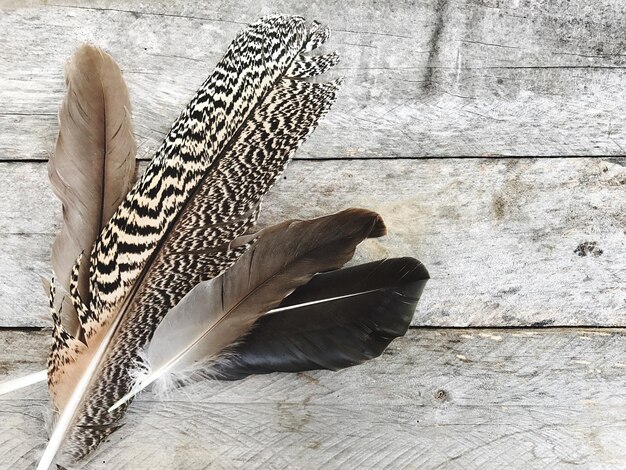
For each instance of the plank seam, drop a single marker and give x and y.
(387, 159)
(35, 329)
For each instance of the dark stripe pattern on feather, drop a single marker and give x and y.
(201, 191)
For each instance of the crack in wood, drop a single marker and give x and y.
(138, 13)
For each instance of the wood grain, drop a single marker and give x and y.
(428, 78)
(508, 242)
(453, 399)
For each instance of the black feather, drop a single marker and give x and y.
(334, 334)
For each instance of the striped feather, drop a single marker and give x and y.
(201, 191)
(234, 99)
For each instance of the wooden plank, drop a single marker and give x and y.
(429, 78)
(508, 242)
(453, 399)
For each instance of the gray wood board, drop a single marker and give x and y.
(429, 78)
(508, 242)
(453, 399)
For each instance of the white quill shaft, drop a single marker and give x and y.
(316, 302)
(21, 382)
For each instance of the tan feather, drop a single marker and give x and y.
(93, 166)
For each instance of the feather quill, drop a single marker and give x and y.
(93, 165)
(218, 312)
(21, 382)
(174, 229)
(338, 319)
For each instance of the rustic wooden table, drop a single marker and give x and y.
(491, 137)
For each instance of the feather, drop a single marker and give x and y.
(174, 229)
(339, 319)
(250, 113)
(93, 165)
(218, 312)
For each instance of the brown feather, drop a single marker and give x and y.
(218, 312)
(93, 166)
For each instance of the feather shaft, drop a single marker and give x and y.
(21, 382)
(67, 416)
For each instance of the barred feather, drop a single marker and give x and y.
(201, 191)
(247, 89)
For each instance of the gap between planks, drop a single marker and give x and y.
(617, 158)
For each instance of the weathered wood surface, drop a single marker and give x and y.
(452, 399)
(435, 77)
(503, 239)
(515, 242)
